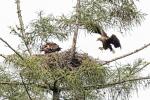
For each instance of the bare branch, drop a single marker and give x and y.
(3, 56)
(126, 55)
(11, 48)
(26, 89)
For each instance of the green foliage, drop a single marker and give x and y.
(89, 73)
(42, 29)
(42, 71)
(111, 14)
(67, 23)
(46, 27)
(89, 79)
(37, 69)
(106, 14)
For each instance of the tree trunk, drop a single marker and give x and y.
(74, 44)
(56, 93)
(22, 29)
(76, 31)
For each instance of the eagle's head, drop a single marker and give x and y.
(99, 39)
(102, 39)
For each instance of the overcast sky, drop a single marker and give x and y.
(86, 43)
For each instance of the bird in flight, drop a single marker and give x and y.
(107, 41)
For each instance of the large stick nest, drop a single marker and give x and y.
(53, 60)
(64, 60)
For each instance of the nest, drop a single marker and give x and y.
(63, 59)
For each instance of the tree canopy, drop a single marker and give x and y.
(35, 76)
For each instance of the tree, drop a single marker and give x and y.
(69, 74)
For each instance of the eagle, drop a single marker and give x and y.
(107, 41)
(50, 47)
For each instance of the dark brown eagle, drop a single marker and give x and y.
(107, 41)
(50, 47)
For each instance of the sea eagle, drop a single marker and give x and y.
(107, 41)
(50, 47)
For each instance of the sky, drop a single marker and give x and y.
(130, 41)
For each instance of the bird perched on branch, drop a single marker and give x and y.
(50, 47)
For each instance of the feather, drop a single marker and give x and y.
(50, 47)
(107, 42)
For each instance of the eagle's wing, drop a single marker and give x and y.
(115, 41)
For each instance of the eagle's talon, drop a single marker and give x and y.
(101, 48)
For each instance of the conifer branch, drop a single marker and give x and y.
(115, 83)
(3, 56)
(102, 86)
(126, 55)
(26, 89)
(20, 83)
(90, 87)
(141, 68)
(11, 48)
(22, 59)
